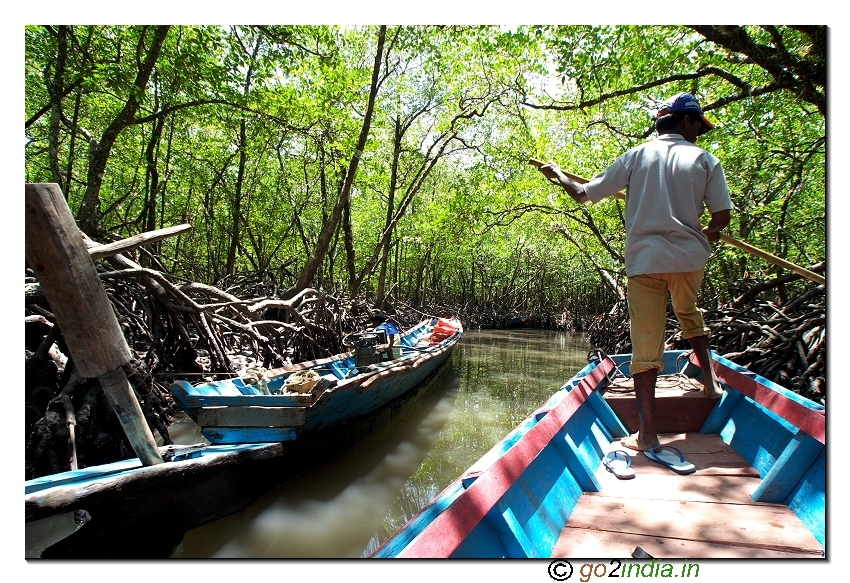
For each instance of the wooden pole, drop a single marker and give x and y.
(723, 237)
(815, 277)
(56, 252)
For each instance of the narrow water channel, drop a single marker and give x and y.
(348, 507)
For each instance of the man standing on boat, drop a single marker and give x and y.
(670, 182)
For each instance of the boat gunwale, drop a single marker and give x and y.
(463, 513)
(806, 415)
(466, 512)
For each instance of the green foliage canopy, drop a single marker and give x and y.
(246, 132)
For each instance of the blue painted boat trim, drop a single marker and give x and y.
(791, 463)
(791, 466)
(808, 499)
(527, 519)
(425, 516)
(96, 474)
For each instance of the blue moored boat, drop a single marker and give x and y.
(262, 430)
(326, 395)
(544, 491)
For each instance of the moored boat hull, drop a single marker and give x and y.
(143, 511)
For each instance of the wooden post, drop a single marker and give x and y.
(56, 252)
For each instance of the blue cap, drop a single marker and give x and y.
(685, 103)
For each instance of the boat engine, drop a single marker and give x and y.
(366, 347)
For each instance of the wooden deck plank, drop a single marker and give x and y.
(579, 542)
(765, 526)
(694, 442)
(709, 514)
(706, 465)
(695, 488)
(708, 453)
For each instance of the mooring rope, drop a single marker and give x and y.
(619, 381)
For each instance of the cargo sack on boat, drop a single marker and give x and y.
(301, 382)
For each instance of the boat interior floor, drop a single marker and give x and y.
(708, 514)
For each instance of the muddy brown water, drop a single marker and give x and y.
(348, 507)
(351, 505)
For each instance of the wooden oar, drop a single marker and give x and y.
(723, 237)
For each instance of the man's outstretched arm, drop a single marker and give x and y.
(573, 188)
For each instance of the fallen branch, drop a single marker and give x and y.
(124, 245)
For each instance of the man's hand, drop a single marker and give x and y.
(712, 235)
(719, 221)
(552, 172)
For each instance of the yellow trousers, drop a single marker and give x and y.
(647, 296)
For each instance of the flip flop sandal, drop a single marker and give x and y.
(673, 459)
(619, 463)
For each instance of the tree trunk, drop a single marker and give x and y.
(236, 223)
(72, 145)
(317, 256)
(90, 215)
(348, 240)
(148, 217)
(56, 90)
(385, 243)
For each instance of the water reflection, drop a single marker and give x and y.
(333, 510)
(347, 508)
(504, 376)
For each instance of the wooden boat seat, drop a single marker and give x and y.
(709, 514)
(681, 406)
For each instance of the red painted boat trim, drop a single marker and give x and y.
(452, 527)
(811, 421)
